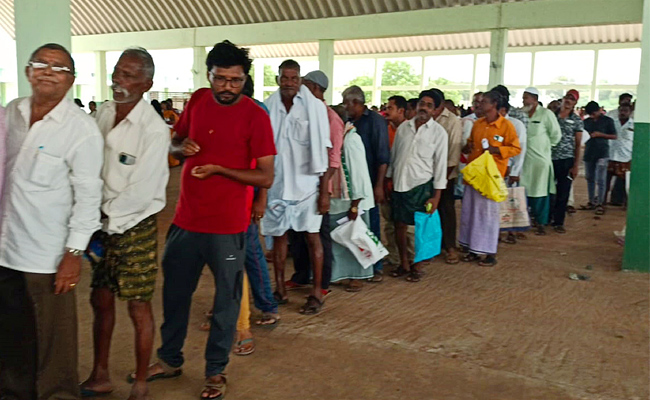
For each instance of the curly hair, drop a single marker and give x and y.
(226, 55)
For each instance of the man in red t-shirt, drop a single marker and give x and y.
(219, 133)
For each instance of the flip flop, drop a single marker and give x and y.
(279, 299)
(268, 320)
(241, 344)
(86, 392)
(130, 378)
(413, 276)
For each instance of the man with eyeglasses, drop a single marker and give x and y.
(135, 175)
(50, 209)
(419, 174)
(302, 137)
(219, 134)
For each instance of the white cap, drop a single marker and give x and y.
(532, 90)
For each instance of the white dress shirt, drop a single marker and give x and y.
(302, 137)
(419, 156)
(517, 162)
(135, 171)
(620, 150)
(53, 189)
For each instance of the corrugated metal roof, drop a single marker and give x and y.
(476, 40)
(89, 17)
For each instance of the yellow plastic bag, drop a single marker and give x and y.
(484, 176)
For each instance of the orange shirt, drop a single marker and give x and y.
(391, 135)
(509, 146)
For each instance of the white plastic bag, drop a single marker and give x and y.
(362, 243)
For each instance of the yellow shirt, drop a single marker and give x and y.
(508, 143)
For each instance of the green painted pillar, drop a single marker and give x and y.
(39, 22)
(199, 69)
(326, 64)
(101, 77)
(637, 238)
(498, 46)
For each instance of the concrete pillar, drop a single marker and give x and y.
(258, 83)
(199, 69)
(101, 77)
(326, 64)
(498, 46)
(37, 23)
(637, 238)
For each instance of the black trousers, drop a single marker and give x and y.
(300, 253)
(561, 169)
(618, 195)
(447, 211)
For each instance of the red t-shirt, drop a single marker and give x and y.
(230, 136)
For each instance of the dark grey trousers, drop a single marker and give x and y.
(185, 255)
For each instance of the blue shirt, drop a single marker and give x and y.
(373, 130)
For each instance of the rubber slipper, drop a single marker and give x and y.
(161, 375)
(279, 299)
(241, 344)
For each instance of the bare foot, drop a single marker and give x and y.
(96, 385)
(139, 391)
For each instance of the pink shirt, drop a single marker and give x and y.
(336, 136)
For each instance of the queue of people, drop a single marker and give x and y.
(290, 168)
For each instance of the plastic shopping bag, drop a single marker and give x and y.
(484, 176)
(362, 243)
(428, 235)
(514, 211)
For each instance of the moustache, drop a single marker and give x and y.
(46, 79)
(225, 92)
(119, 89)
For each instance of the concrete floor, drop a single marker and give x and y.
(521, 330)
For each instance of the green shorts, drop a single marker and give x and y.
(130, 262)
(405, 204)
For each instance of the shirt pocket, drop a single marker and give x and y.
(47, 171)
(300, 132)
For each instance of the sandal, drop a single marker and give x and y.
(312, 306)
(413, 276)
(452, 258)
(588, 207)
(214, 390)
(540, 231)
(355, 285)
(600, 210)
(489, 261)
(268, 319)
(398, 272)
(279, 299)
(570, 210)
(244, 347)
(377, 277)
(470, 257)
(511, 238)
(559, 229)
(168, 372)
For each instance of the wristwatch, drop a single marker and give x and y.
(74, 252)
(354, 209)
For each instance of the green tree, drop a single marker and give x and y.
(362, 81)
(269, 76)
(399, 73)
(457, 96)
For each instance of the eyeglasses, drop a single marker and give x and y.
(221, 81)
(55, 68)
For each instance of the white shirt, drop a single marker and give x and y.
(517, 162)
(620, 150)
(135, 171)
(418, 157)
(302, 137)
(468, 124)
(52, 190)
